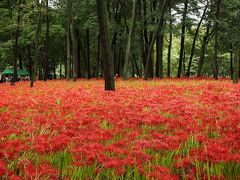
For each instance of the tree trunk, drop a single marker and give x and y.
(216, 24)
(30, 62)
(150, 50)
(159, 44)
(46, 48)
(36, 50)
(73, 37)
(60, 66)
(79, 75)
(231, 62)
(130, 37)
(182, 39)
(194, 42)
(16, 45)
(135, 62)
(106, 50)
(202, 52)
(98, 55)
(88, 55)
(20, 60)
(237, 64)
(68, 54)
(169, 48)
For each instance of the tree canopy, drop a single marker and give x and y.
(156, 38)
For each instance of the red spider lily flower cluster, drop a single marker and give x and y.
(163, 129)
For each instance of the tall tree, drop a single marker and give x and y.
(130, 37)
(36, 43)
(88, 54)
(237, 63)
(216, 46)
(169, 47)
(153, 39)
(16, 44)
(68, 64)
(106, 50)
(74, 42)
(181, 55)
(46, 48)
(159, 47)
(194, 41)
(205, 40)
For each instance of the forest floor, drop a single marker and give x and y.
(161, 129)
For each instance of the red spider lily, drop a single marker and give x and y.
(3, 168)
(140, 126)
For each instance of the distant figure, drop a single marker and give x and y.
(117, 75)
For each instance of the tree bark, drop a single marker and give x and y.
(182, 39)
(36, 50)
(68, 73)
(150, 50)
(98, 55)
(237, 63)
(88, 54)
(130, 37)
(169, 48)
(231, 62)
(159, 44)
(73, 37)
(30, 61)
(203, 49)
(46, 48)
(194, 41)
(216, 24)
(106, 49)
(16, 45)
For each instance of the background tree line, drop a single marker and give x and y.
(144, 38)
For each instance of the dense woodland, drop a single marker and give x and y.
(138, 38)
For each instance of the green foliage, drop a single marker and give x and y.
(119, 20)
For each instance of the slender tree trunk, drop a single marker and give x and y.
(79, 75)
(231, 62)
(30, 61)
(60, 66)
(159, 49)
(145, 32)
(135, 62)
(46, 48)
(88, 55)
(16, 45)
(216, 24)
(150, 50)
(130, 37)
(74, 52)
(159, 44)
(36, 50)
(169, 48)
(84, 55)
(98, 55)
(184, 61)
(68, 73)
(73, 37)
(182, 39)
(20, 60)
(106, 50)
(194, 42)
(237, 64)
(202, 52)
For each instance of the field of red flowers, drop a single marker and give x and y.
(168, 129)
